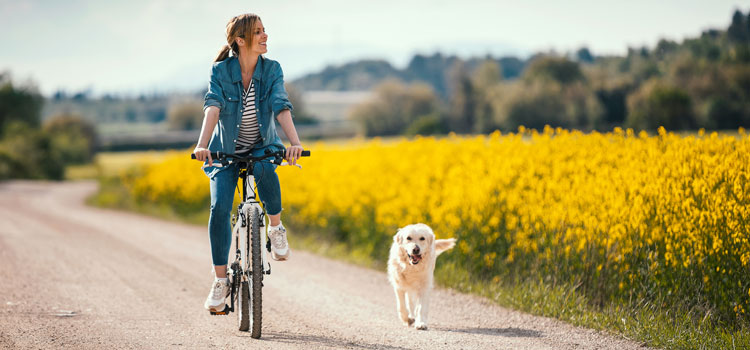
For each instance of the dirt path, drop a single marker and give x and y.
(73, 276)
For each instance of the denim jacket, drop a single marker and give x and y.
(225, 92)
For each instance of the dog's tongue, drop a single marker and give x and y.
(416, 258)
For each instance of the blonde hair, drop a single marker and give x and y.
(238, 27)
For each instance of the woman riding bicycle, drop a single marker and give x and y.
(245, 93)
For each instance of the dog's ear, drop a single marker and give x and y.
(397, 237)
(429, 235)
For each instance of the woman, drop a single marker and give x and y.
(246, 91)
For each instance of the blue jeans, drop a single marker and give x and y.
(223, 185)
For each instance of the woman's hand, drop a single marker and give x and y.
(202, 153)
(293, 153)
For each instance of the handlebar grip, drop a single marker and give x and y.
(214, 155)
(305, 153)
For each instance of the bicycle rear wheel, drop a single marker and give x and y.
(256, 273)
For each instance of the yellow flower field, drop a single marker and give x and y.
(621, 215)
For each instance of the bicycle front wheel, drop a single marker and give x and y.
(256, 272)
(243, 306)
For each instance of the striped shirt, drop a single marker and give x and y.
(249, 130)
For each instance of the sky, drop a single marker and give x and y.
(139, 46)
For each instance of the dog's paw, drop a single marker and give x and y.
(421, 326)
(408, 321)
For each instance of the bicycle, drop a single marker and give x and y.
(246, 272)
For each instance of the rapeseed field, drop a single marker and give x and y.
(618, 215)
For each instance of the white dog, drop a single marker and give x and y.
(410, 267)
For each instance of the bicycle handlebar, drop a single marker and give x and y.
(219, 156)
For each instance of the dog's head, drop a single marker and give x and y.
(416, 240)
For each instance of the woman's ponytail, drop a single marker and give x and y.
(223, 53)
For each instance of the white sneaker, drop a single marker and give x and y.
(280, 247)
(217, 296)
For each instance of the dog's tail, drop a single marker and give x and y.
(442, 245)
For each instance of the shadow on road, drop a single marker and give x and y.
(510, 332)
(321, 340)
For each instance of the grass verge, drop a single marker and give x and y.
(114, 195)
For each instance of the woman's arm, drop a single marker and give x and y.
(295, 150)
(210, 119)
(282, 109)
(213, 103)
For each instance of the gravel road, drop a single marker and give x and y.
(72, 276)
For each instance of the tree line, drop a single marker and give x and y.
(702, 82)
(40, 136)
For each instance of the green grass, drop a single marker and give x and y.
(111, 164)
(81, 172)
(108, 167)
(119, 128)
(646, 323)
(114, 195)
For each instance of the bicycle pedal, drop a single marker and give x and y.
(222, 312)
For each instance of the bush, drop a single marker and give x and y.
(538, 104)
(657, 104)
(724, 114)
(557, 69)
(431, 124)
(395, 107)
(27, 152)
(73, 139)
(185, 116)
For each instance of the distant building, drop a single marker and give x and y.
(333, 106)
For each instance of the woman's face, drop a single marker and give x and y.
(258, 44)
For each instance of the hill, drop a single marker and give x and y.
(434, 70)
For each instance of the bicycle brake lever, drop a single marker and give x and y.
(297, 165)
